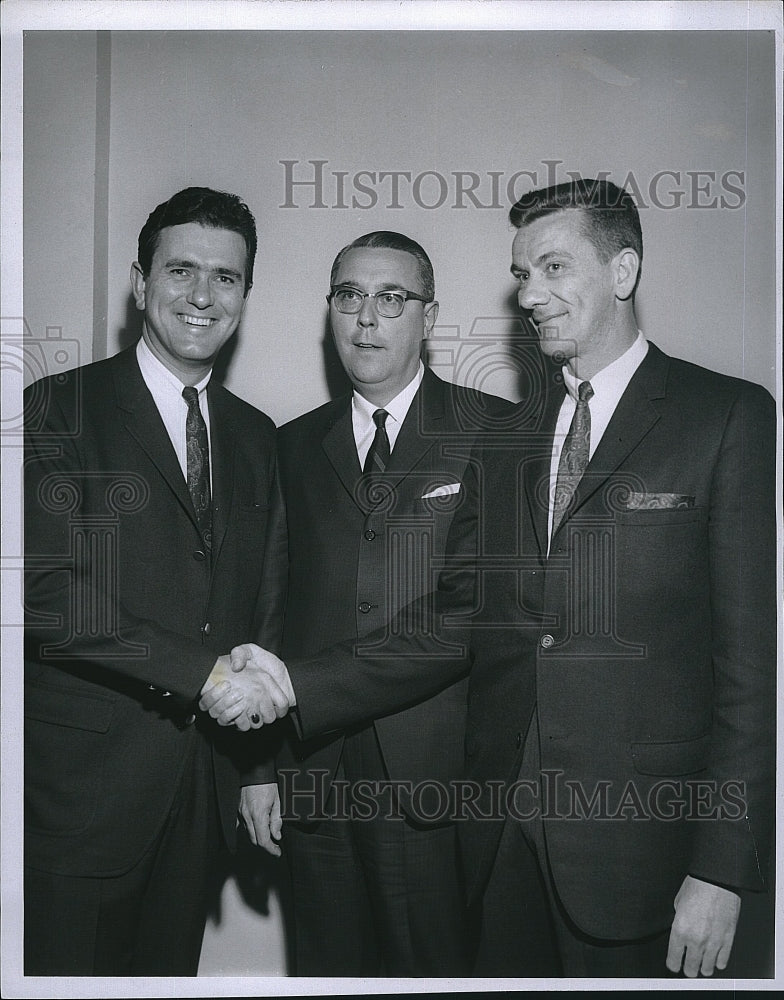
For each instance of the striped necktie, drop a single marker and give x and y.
(378, 455)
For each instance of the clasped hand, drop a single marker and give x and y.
(248, 688)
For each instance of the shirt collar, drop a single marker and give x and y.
(157, 375)
(398, 407)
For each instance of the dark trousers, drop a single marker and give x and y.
(524, 930)
(147, 922)
(375, 896)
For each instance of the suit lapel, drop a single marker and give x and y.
(424, 420)
(143, 422)
(423, 424)
(223, 437)
(634, 417)
(341, 448)
(537, 467)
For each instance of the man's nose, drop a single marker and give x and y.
(367, 314)
(200, 293)
(532, 294)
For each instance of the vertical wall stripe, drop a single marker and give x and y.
(103, 93)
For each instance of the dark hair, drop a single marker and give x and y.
(384, 240)
(610, 218)
(215, 209)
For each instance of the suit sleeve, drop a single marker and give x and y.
(67, 601)
(260, 767)
(743, 547)
(425, 648)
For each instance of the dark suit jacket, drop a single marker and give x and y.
(123, 605)
(355, 560)
(646, 643)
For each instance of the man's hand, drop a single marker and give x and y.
(260, 812)
(254, 690)
(704, 927)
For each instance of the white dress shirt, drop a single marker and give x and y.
(166, 390)
(362, 415)
(608, 386)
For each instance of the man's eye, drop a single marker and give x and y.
(347, 294)
(554, 266)
(390, 298)
(179, 271)
(225, 279)
(521, 277)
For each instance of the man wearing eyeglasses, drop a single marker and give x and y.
(371, 482)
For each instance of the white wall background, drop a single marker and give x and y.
(116, 122)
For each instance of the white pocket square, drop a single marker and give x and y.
(442, 491)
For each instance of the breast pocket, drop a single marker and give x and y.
(662, 517)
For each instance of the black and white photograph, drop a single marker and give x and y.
(392, 496)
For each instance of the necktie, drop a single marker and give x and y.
(378, 456)
(198, 463)
(574, 455)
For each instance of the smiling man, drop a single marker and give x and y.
(371, 482)
(147, 491)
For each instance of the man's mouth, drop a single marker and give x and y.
(545, 320)
(195, 320)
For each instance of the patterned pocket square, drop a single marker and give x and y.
(442, 491)
(658, 501)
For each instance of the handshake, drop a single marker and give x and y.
(247, 688)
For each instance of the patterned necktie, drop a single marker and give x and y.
(198, 463)
(574, 455)
(378, 456)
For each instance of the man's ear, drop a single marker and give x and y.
(627, 267)
(431, 314)
(138, 285)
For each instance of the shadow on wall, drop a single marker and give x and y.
(132, 326)
(263, 885)
(338, 383)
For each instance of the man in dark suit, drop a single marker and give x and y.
(147, 496)
(621, 624)
(374, 892)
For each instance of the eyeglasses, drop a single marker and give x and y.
(389, 304)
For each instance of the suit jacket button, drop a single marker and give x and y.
(546, 641)
(207, 628)
(199, 556)
(519, 740)
(370, 534)
(190, 720)
(364, 607)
